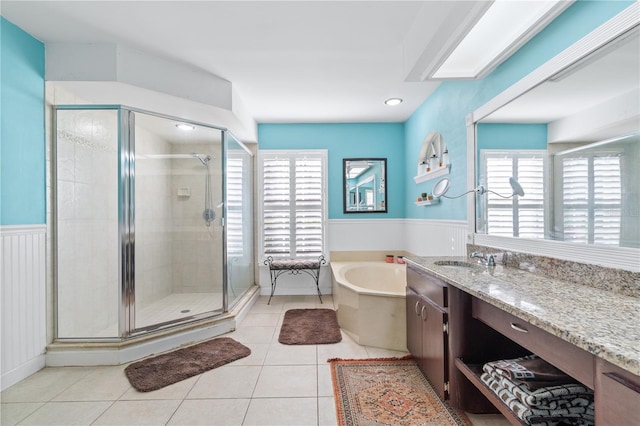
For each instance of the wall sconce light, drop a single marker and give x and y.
(442, 186)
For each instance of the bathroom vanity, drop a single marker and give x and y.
(491, 313)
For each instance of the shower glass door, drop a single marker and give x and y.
(178, 203)
(239, 218)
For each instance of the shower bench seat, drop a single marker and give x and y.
(294, 267)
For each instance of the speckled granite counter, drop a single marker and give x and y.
(604, 323)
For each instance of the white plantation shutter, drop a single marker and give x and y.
(592, 199)
(235, 246)
(516, 216)
(293, 203)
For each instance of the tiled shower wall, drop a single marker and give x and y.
(87, 226)
(197, 249)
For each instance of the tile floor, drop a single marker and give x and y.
(276, 385)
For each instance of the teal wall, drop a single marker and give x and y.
(22, 134)
(445, 110)
(347, 140)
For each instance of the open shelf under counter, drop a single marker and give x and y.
(440, 171)
(473, 373)
(428, 202)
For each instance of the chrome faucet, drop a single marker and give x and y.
(487, 261)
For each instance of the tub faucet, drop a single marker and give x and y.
(487, 261)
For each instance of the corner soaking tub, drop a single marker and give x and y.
(370, 302)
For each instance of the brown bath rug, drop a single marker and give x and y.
(159, 371)
(310, 327)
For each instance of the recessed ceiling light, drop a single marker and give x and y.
(186, 127)
(393, 101)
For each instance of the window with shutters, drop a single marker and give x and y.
(293, 203)
(235, 241)
(591, 199)
(521, 216)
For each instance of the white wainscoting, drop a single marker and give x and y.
(426, 237)
(23, 302)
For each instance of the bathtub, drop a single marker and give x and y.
(370, 301)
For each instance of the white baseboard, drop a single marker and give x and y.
(30, 367)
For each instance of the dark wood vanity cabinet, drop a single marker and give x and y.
(427, 328)
(452, 334)
(617, 395)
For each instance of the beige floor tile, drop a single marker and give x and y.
(226, 382)
(282, 411)
(67, 413)
(280, 354)
(101, 384)
(257, 357)
(138, 413)
(252, 334)
(177, 390)
(287, 381)
(308, 304)
(325, 385)
(346, 349)
(13, 412)
(261, 320)
(327, 411)
(210, 412)
(263, 308)
(45, 384)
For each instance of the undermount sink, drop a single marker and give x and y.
(455, 264)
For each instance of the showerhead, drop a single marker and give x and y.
(204, 161)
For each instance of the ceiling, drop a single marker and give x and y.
(288, 61)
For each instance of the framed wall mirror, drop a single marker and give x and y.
(365, 185)
(556, 131)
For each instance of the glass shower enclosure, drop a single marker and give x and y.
(153, 221)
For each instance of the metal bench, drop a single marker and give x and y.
(294, 267)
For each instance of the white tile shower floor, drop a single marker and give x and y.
(172, 307)
(276, 385)
(176, 306)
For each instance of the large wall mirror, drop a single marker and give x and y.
(570, 134)
(365, 186)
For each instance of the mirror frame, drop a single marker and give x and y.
(344, 185)
(614, 257)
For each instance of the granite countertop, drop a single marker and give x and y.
(601, 322)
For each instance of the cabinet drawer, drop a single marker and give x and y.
(428, 286)
(617, 396)
(569, 358)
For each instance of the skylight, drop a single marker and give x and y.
(503, 29)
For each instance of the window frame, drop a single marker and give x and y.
(292, 154)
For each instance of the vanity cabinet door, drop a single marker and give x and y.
(414, 324)
(434, 347)
(426, 339)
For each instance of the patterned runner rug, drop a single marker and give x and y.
(387, 391)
